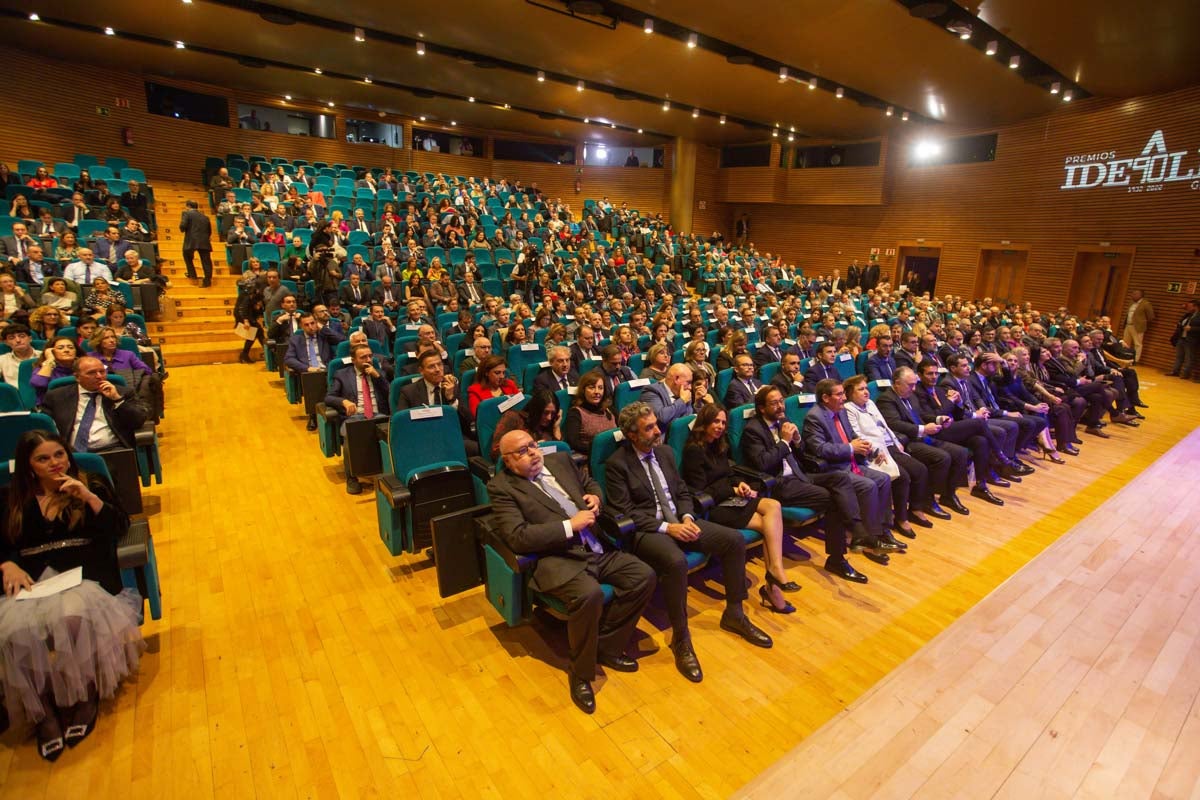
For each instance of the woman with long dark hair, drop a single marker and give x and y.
(590, 413)
(62, 654)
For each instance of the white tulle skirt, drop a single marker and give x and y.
(65, 645)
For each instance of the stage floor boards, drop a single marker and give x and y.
(296, 658)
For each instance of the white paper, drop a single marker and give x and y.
(510, 402)
(638, 382)
(428, 412)
(52, 586)
(534, 346)
(845, 357)
(806, 399)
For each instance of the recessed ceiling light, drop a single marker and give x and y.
(613, 126)
(180, 45)
(1068, 95)
(587, 120)
(109, 32)
(965, 35)
(420, 48)
(359, 35)
(639, 130)
(666, 105)
(33, 16)
(330, 104)
(579, 86)
(792, 128)
(693, 40)
(775, 133)
(904, 117)
(317, 70)
(840, 93)
(812, 83)
(648, 26)
(367, 79)
(187, 2)
(722, 120)
(695, 113)
(783, 73)
(452, 123)
(993, 47)
(287, 97)
(1055, 87)
(422, 118)
(470, 99)
(507, 106)
(541, 76)
(890, 110)
(1014, 62)
(791, 138)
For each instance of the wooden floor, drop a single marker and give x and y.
(297, 659)
(1076, 678)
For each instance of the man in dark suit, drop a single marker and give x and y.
(771, 444)
(670, 398)
(946, 461)
(469, 292)
(361, 223)
(35, 270)
(546, 507)
(387, 294)
(744, 384)
(435, 387)
(15, 249)
(137, 202)
(853, 275)
(111, 247)
(789, 380)
(310, 350)
(870, 277)
(644, 485)
(830, 446)
(287, 323)
(909, 355)
(986, 366)
(47, 228)
(354, 295)
(379, 326)
(614, 370)
(880, 364)
(560, 374)
(197, 238)
(974, 403)
(772, 349)
(1103, 365)
(823, 369)
(93, 414)
(357, 392)
(584, 347)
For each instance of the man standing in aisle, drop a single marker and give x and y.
(197, 237)
(1137, 320)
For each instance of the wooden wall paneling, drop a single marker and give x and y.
(715, 214)
(1001, 272)
(850, 186)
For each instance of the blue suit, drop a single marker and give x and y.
(667, 408)
(880, 369)
(824, 451)
(817, 373)
(296, 358)
(345, 386)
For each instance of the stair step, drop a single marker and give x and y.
(186, 355)
(191, 325)
(213, 337)
(198, 301)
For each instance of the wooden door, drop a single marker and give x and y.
(1098, 282)
(1001, 275)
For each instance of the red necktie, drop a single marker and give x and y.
(837, 422)
(368, 406)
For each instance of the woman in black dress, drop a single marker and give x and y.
(706, 469)
(63, 653)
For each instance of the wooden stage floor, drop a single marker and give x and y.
(296, 658)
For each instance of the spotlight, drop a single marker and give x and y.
(695, 113)
(422, 118)
(1055, 87)
(775, 133)
(330, 104)
(180, 45)
(993, 47)
(840, 93)
(639, 130)
(1068, 96)
(812, 83)
(420, 48)
(890, 110)
(317, 70)
(722, 120)
(613, 126)
(926, 149)
(666, 105)
(33, 16)
(507, 106)
(587, 120)
(470, 99)
(1014, 62)
(367, 79)
(287, 97)
(541, 76)
(791, 138)
(648, 26)
(693, 40)
(965, 35)
(359, 35)
(453, 123)
(783, 74)
(579, 86)
(904, 117)
(109, 32)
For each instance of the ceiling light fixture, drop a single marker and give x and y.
(367, 79)
(890, 110)
(904, 117)
(993, 47)
(926, 149)
(613, 126)
(317, 70)
(187, 2)
(791, 128)
(180, 45)
(109, 32)
(783, 74)
(695, 113)
(775, 133)
(1055, 87)
(422, 118)
(666, 105)
(579, 86)
(1068, 95)
(541, 76)
(1014, 62)
(648, 25)
(330, 104)
(33, 16)
(586, 120)
(964, 35)
(470, 99)
(812, 83)
(453, 123)
(693, 40)
(722, 120)
(287, 97)
(791, 138)
(359, 35)
(639, 130)
(840, 93)
(507, 106)
(420, 48)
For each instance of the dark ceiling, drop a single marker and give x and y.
(878, 52)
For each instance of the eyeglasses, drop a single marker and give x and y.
(522, 452)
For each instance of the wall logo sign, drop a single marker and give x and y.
(1148, 172)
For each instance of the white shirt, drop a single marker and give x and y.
(78, 271)
(869, 424)
(10, 365)
(101, 435)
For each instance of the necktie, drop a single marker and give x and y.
(660, 493)
(314, 358)
(837, 423)
(87, 274)
(570, 509)
(987, 393)
(562, 383)
(432, 394)
(365, 391)
(916, 420)
(966, 396)
(84, 432)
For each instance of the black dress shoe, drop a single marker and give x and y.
(1076, 440)
(841, 567)
(619, 662)
(312, 423)
(982, 493)
(882, 559)
(907, 533)
(937, 512)
(1069, 450)
(954, 504)
(861, 543)
(352, 485)
(686, 661)
(891, 544)
(743, 627)
(996, 480)
(1021, 468)
(1140, 404)
(1094, 431)
(581, 694)
(1133, 412)
(921, 523)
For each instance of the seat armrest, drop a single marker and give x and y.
(481, 468)
(516, 562)
(328, 413)
(395, 492)
(133, 548)
(704, 501)
(767, 482)
(145, 436)
(617, 530)
(580, 460)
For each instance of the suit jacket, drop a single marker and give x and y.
(824, 450)
(879, 368)
(817, 373)
(531, 522)
(972, 399)
(124, 419)
(896, 415)
(8, 245)
(763, 356)
(346, 295)
(379, 331)
(397, 294)
(933, 403)
(464, 295)
(738, 394)
(414, 395)
(870, 277)
(903, 358)
(1143, 315)
(296, 358)
(667, 408)
(57, 228)
(546, 379)
(138, 205)
(760, 451)
(577, 356)
(786, 386)
(49, 268)
(631, 494)
(345, 387)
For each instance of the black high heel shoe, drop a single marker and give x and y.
(765, 595)
(83, 722)
(49, 739)
(1050, 455)
(790, 586)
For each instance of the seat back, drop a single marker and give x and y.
(628, 391)
(399, 383)
(488, 413)
(10, 398)
(677, 435)
(738, 418)
(436, 428)
(769, 371)
(797, 407)
(15, 423)
(603, 446)
(724, 378)
(520, 356)
(844, 364)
